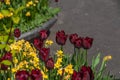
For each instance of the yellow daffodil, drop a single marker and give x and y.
(44, 75)
(60, 53)
(8, 79)
(27, 14)
(30, 2)
(107, 58)
(1, 16)
(27, 5)
(68, 69)
(48, 43)
(7, 2)
(57, 65)
(34, 4)
(67, 77)
(36, 1)
(15, 60)
(59, 71)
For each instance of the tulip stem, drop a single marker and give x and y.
(61, 48)
(49, 74)
(9, 32)
(86, 62)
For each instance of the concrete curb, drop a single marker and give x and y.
(35, 32)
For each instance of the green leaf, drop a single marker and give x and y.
(2, 46)
(7, 48)
(3, 38)
(6, 62)
(19, 10)
(11, 9)
(95, 61)
(16, 19)
(5, 12)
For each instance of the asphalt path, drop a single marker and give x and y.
(99, 19)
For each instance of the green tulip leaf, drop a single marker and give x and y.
(11, 9)
(17, 11)
(2, 46)
(95, 61)
(5, 12)
(16, 19)
(6, 62)
(3, 38)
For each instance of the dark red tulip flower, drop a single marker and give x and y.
(56, 0)
(87, 73)
(44, 53)
(84, 74)
(38, 43)
(87, 42)
(78, 43)
(61, 37)
(17, 32)
(44, 34)
(7, 56)
(21, 75)
(73, 37)
(36, 74)
(49, 64)
(76, 76)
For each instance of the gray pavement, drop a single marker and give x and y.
(99, 19)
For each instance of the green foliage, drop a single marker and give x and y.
(6, 62)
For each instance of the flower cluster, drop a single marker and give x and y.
(25, 13)
(26, 61)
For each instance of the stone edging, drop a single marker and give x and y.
(34, 33)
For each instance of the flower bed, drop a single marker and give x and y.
(25, 14)
(22, 60)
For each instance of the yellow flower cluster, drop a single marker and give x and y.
(28, 14)
(30, 3)
(25, 56)
(69, 69)
(48, 43)
(59, 59)
(107, 58)
(1, 16)
(7, 2)
(45, 76)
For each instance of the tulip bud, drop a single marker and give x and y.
(49, 64)
(87, 42)
(36, 74)
(61, 37)
(17, 32)
(22, 75)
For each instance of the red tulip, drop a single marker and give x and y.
(44, 34)
(38, 43)
(17, 32)
(36, 75)
(56, 0)
(87, 42)
(49, 64)
(7, 56)
(87, 73)
(78, 42)
(73, 37)
(76, 76)
(84, 74)
(61, 37)
(44, 53)
(22, 75)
